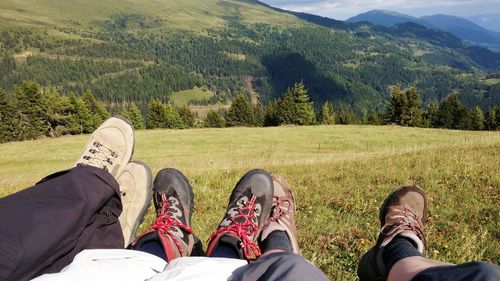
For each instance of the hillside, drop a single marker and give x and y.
(340, 175)
(488, 21)
(460, 27)
(386, 18)
(139, 50)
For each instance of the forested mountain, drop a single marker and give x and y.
(139, 50)
(460, 27)
(386, 18)
(488, 21)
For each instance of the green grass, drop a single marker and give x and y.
(186, 14)
(340, 175)
(195, 94)
(492, 81)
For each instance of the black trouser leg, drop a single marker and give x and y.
(472, 271)
(43, 227)
(279, 267)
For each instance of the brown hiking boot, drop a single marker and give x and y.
(174, 200)
(110, 146)
(248, 209)
(403, 213)
(135, 186)
(282, 213)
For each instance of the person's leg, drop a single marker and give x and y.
(281, 258)
(45, 226)
(170, 236)
(249, 207)
(398, 254)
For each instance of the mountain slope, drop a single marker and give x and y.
(457, 26)
(386, 18)
(464, 29)
(488, 21)
(139, 50)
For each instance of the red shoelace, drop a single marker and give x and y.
(243, 227)
(164, 222)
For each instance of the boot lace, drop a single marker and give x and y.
(281, 207)
(243, 227)
(404, 220)
(99, 156)
(164, 223)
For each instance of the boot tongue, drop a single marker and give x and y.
(148, 237)
(232, 242)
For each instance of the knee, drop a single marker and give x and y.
(486, 270)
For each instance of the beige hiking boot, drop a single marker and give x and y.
(403, 213)
(136, 192)
(110, 146)
(282, 213)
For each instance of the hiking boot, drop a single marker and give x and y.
(403, 213)
(173, 199)
(282, 213)
(110, 146)
(249, 208)
(135, 185)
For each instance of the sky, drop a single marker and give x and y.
(344, 9)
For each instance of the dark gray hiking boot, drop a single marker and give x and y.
(173, 199)
(403, 213)
(248, 210)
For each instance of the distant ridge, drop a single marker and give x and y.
(460, 27)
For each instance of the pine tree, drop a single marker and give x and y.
(412, 114)
(374, 118)
(452, 114)
(346, 116)
(271, 117)
(240, 113)
(8, 126)
(135, 117)
(327, 114)
(172, 118)
(83, 120)
(304, 109)
(430, 118)
(59, 114)
(187, 116)
(97, 110)
(490, 121)
(395, 109)
(258, 115)
(213, 120)
(477, 119)
(31, 109)
(285, 109)
(156, 115)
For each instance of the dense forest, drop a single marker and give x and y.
(134, 62)
(341, 66)
(29, 112)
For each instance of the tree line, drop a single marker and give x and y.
(31, 111)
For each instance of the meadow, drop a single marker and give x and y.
(340, 175)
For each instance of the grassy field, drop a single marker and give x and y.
(340, 175)
(195, 94)
(185, 15)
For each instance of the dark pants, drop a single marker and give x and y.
(43, 227)
(279, 267)
(472, 271)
